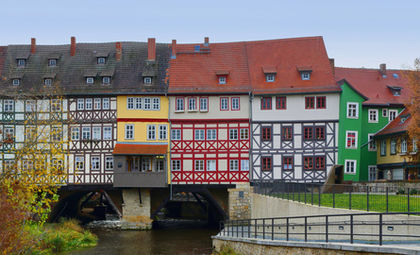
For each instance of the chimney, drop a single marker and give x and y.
(118, 51)
(382, 69)
(206, 41)
(332, 64)
(33, 45)
(173, 55)
(151, 49)
(73, 46)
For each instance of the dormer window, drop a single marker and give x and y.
(16, 82)
(52, 62)
(396, 91)
(222, 79)
(147, 80)
(21, 62)
(48, 81)
(222, 76)
(270, 77)
(270, 73)
(101, 60)
(305, 72)
(305, 76)
(89, 80)
(106, 80)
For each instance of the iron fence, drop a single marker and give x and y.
(369, 198)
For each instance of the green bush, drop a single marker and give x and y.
(413, 192)
(401, 191)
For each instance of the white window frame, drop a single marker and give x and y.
(75, 133)
(147, 103)
(192, 104)
(109, 163)
(147, 80)
(204, 104)
(90, 80)
(106, 80)
(88, 104)
(97, 104)
(392, 113)
(224, 104)
(156, 103)
(86, 133)
(222, 79)
(375, 115)
(356, 110)
(96, 133)
(234, 165)
(211, 134)
(79, 163)
(146, 164)
(179, 104)
(199, 165)
(129, 131)
(80, 104)
(95, 163)
(371, 142)
(138, 103)
(383, 148)
(30, 106)
(176, 134)
(130, 103)
(384, 112)
(159, 164)
(211, 165)
(52, 62)
(348, 163)
(414, 147)
(105, 104)
(163, 132)
(236, 104)
(404, 145)
(48, 81)
(372, 168)
(244, 164)
(355, 141)
(233, 134)
(151, 132)
(393, 146)
(176, 165)
(16, 82)
(305, 76)
(8, 105)
(107, 133)
(199, 134)
(21, 62)
(101, 60)
(270, 77)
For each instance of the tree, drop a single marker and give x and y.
(413, 79)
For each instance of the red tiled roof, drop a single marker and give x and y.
(139, 149)
(371, 84)
(396, 126)
(3, 50)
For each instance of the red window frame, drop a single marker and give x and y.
(281, 103)
(188, 103)
(239, 103)
(308, 133)
(320, 162)
(266, 133)
(309, 102)
(287, 133)
(308, 163)
(183, 104)
(266, 164)
(227, 108)
(199, 104)
(287, 160)
(266, 103)
(320, 133)
(321, 102)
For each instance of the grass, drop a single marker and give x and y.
(377, 202)
(60, 237)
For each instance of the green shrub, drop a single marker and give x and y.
(413, 192)
(401, 191)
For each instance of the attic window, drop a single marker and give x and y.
(270, 77)
(222, 76)
(89, 80)
(21, 62)
(106, 80)
(52, 62)
(396, 91)
(16, 82)
(48, 81)
(222, 79)
(101, 60)
(404, 118)
(305, 76)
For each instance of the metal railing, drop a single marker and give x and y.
(364, 228)
(368, 198)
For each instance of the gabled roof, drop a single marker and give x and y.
(3, 51)
(398, 125)
(71, 71)
(289, 57)
(375, 87)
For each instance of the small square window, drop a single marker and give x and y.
(106, 80)
(352, 110)
(48, 82)
(305, 76)
(52, 62)
(350, 166)
(16, 82)
(321, 102)
(89, 80)
(270, 77)
(21, 62)
(147, 80)
(373, 116)
(309, 102)
(101, 60)
(384, 112)
(222, 79)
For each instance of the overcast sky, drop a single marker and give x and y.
(356, 33)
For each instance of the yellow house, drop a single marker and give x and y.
(397, 154)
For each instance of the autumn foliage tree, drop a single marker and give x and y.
(413, 78)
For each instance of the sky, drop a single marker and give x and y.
(356, 33)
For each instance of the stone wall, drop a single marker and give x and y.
(136, 213)
(240, 201)
(393, 186)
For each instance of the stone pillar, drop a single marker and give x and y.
(240, 201)
(136, 209)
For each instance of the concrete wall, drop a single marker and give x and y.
(136, 213)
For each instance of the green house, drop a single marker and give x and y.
(370, 99)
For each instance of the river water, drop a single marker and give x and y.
(159, 241)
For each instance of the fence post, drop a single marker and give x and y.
(263, 229)
(237, 228)
(380, 229)
(249, 228)
(351, 228)
(350, 200)
(242, 228)
(287, 229)
(367, 199)
(272, 229)
(306, 229)
(326, 228)
(408, 199)
(255, 228)
(387, 192)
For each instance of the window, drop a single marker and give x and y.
(403, 145)
(199, 165)
(30, 133)
(179, 107)
(80, 104)
(233, 134)
(384, 112)
(270, 77)
(266, 103)
(8, 105)
(90, 80)
(97, 104)
(199, 134)
(372, 173)
(56, 134)
(9, 133)
(204, 104)
(211, 165)
(80, 163)
(101, 60)
(308, 133)
(145, 164)
(109, 163)
(75, 133)
(30, 106)
(16, 82)
(55, 105)
(393, 146)
(321, 102)
(222, 79)
(21, 62)
(129, 131)
(86, 133)
(160, 165)
(371, 143)
(286, 133)
(137, 103)
(106, 80)
(192, 104)
(96, 133)
(351, 139)
(308, 163)
(350, 166)
(373, 116)
(244, 165)
(147, 103)
(48, 81)
(224, 103)
(151, 132)
(105, 104)
(266, 164)
(383, 147)
(305, 76)
(107, 133)
(211, 134)
(147, 80)
(176, 134)
(176, 165)
(414, 149)
(266, 133)
(319, 133)
(95, 163)
(235, 104)
(156, 103)
(309, 102)
(162, 132)
(352, 110)
(287, 163)
(281, 103)
(88, 103)
(234, 165)
(9, 165)
(244, 134)
(392, 114)
(52, 62)
(320, 162)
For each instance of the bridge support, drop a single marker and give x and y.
(240, 202)
(136, 209)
